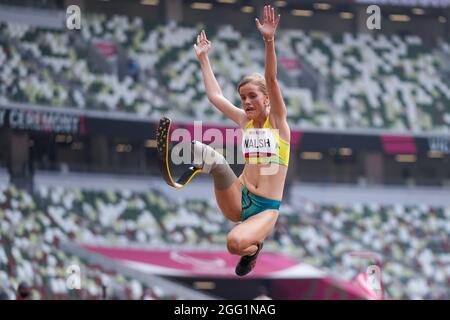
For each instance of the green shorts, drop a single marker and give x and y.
(253, 204)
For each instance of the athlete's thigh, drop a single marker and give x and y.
(256, 228)
(229, 201)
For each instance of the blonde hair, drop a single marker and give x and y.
(256, 79)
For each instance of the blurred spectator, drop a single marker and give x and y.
(3, 294)
(133, 69)
(23, 291)
(148, 295)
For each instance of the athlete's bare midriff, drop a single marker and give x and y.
(264, 180)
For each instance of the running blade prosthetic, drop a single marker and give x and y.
(163, 146)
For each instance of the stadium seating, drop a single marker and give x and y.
(378, 81)
(372, 81)
(30, 235)
(413, 241)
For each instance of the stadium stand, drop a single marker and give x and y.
(372, 81)
(128, 68)
(30, 251)
(413, 240)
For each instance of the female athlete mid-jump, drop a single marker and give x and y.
(253, 199)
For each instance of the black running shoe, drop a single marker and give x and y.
(247, 263)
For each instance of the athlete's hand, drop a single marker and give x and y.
(202, 45)
(270, 24)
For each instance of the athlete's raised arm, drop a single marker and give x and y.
(212, 88)
(267, 30)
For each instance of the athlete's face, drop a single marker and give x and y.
(253, 100)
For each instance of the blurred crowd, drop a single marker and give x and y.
(124, 64)
(413, 241)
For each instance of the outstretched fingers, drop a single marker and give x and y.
(203, 38)
(277, 19)
(258, 24)
(269, 16)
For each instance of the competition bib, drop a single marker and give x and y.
(258, 142)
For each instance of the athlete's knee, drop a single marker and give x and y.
(233, 244)
(237, 243)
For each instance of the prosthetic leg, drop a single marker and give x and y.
(162, 142)
(205, 160)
